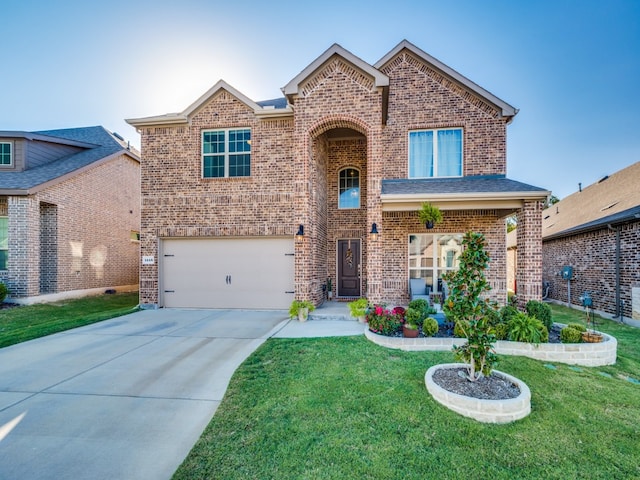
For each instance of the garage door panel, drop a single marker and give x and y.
(227, 273)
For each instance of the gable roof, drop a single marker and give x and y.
(472, 192)
(505, 109)
(612, 200)
(99, 145)
(293, 87)
(264, 109)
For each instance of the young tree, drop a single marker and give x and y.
(467, 305)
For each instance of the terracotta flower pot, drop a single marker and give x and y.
(591, 337)
(409, 332)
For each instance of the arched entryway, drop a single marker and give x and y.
(339, 172)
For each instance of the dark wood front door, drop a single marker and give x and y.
(348, 268)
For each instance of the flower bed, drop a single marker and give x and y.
(483, 410)
(584, 354)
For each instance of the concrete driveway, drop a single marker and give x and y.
(122, 399)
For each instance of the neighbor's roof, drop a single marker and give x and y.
(613, 199)
(472, 192)
(98, 145)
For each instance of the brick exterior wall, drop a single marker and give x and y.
(75, 235)
(399, 225)
(595, 272)
(294, 175)
(178, 202)
(529, 253)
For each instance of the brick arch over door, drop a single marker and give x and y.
(339, 121)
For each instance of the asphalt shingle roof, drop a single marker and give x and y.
(613, 199)
(105, 146)
(275, 102)
(458, 185)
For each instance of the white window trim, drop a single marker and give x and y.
(435, 150)
(359, 188)
(226, 152)
(11, 154)
(435, 269)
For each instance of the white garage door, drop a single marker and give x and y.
(252, 273)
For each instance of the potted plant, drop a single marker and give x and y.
(358, 309)
(329, 288)
(429, 214)
(301, 309)
(412, 319)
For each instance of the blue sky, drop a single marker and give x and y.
(571, 67)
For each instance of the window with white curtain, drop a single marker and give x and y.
(435, 153)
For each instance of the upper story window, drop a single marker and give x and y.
(6, 157)
(435, 153)
(226, 153)
(349, 188)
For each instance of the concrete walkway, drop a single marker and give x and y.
(129, 397)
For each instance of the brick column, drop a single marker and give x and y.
(529, 256)
(24, 247)
(375, 266)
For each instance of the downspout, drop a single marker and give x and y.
(618, 309)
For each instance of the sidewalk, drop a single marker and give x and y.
(331, 319)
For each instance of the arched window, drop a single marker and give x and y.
(349, 188)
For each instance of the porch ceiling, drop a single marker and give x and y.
(463, 193)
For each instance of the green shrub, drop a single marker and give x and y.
(508, 312)
(3, 292)
(413, 317)
(541, 311)
(524, 328)
(570, 335)
(578, 326)
(429, 327)
(501, 331)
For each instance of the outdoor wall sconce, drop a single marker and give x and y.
(374, 232)
(300, 233)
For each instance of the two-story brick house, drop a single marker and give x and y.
(351, 149)
(69, 213)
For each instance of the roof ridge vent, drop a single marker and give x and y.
(603, 179)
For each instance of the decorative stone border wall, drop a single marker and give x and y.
(487, 411)
(584, 354)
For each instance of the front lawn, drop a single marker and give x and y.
(22, 323)
(343, 408)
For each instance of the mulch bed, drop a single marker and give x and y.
(492, 387)
(443, 332)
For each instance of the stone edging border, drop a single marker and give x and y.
(583, 354)
(486, 411)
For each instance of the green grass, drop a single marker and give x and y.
(345, 408)
(19, 324)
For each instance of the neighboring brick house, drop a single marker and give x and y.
(352, 148)
(69, 212)
(596, 232)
